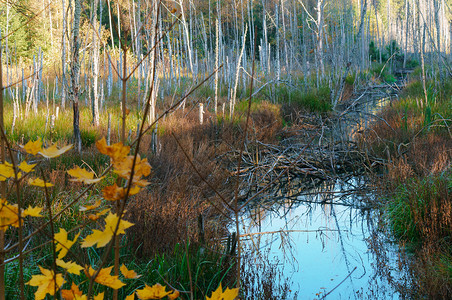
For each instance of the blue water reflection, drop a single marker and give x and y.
(321, 239)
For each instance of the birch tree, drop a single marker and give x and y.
(74, 90)
(95, 67)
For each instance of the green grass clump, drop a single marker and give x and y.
(413, 89)
(420, 216)
(389, 78)
(39, 125)
(350, 79)
(315, 100)
(420, 210)
(207, 269)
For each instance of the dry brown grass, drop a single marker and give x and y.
(410, 148)
(417, 183)
(168, 212)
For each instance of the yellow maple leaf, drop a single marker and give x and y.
(71, 267)
(112, 220)
(33, 147)
(90, 207)
(33, 212)
(117, 152)
(124, 167)
(24, 166)
(140, 183)
(9, 215)
(228, 294)
(103, 212)
(134, 190)
(157, 291)
(99, 296)
(53, 151)
(102, 238)
(62, 243)
(129, 274)
(6, 171)
(105, 278)
(114, 193)
(82, 175)
(130, 297)
(72, 293)
(39, 182)
(47, 283)
(94, 217)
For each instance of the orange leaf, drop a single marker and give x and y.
(124, 167)
(113, 192)
(174, 295)
(72, 293)
(117, 151)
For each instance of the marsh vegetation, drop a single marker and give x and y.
(224, 149)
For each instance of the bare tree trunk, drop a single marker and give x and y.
(233, 100)
(3, 183)
(50, 24)
(95, 69)
(278, 62)
(217, 50)
(75, 74)
(338, 93)
(405, 51)
(320, 9)
(437, 8)
(111, 27)
(284, 38)
(63, 58)
(186, 35)
(153, 82)
(422, 49)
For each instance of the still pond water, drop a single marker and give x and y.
(320, 240)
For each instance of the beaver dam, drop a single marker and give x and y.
(308, 223)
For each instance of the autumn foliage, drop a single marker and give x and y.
(131, 172)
